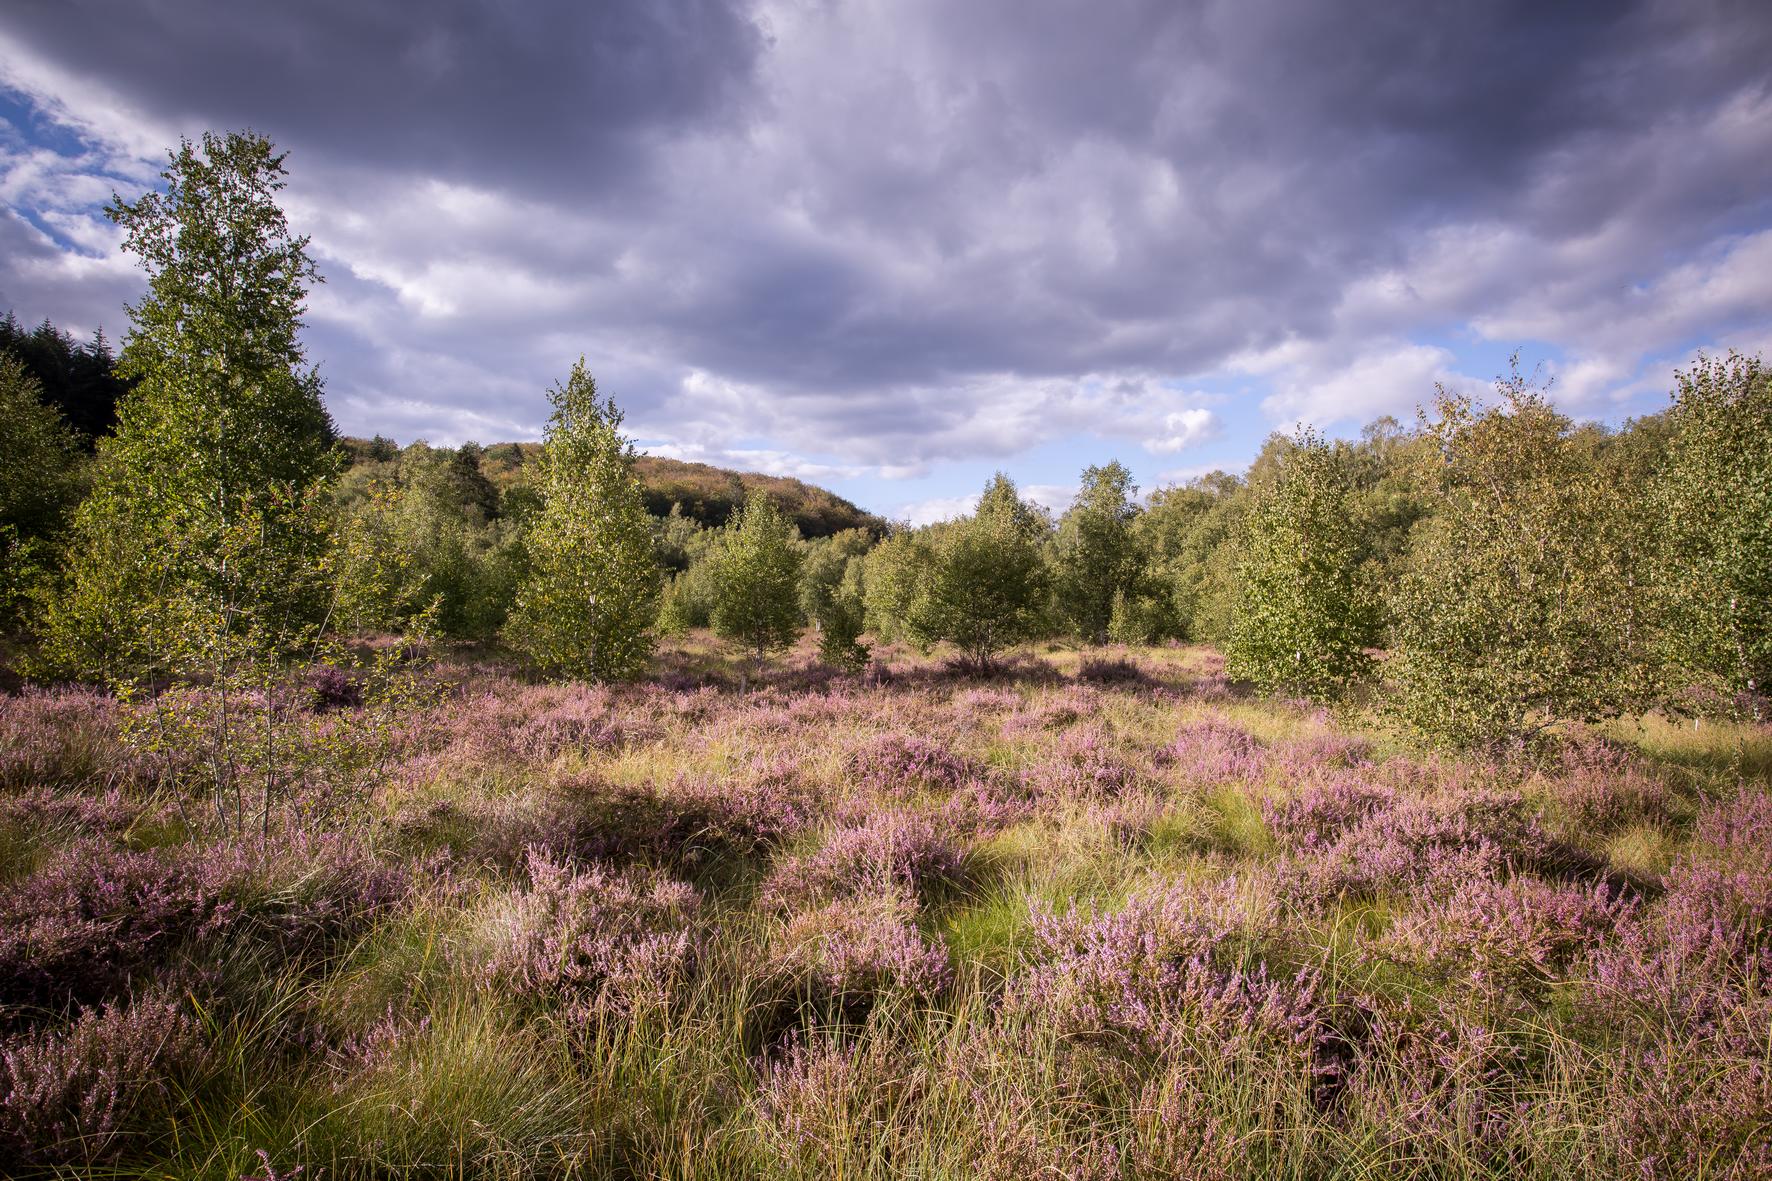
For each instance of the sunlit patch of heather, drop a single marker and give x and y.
(1320, 753)
(841, 958)
(537, 723)
(1083, 765)
(68, 815)
(1055, 711)
(1681, 1107)
(1169, 974)
(891, 852)
(974, 704)
(1319, 814)
(1182, 1129)
(1214, 750)
(1128, 819)
(691, 702)
(596, 936)
(986, 806)
(59, 738)
(1503, 944)
(904, 764)
(1702, 953)
(77, 1096)
(1601, 787)
(1351, 840)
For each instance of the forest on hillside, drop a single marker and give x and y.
(1401, 807)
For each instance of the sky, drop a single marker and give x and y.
(893, 246)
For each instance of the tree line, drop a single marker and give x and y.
(1489, 571)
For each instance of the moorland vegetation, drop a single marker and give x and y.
(1399, 808)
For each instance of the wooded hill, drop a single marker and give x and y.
(703, 493)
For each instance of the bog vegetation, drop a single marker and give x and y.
(1401, 808)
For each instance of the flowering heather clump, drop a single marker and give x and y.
(1169, 975)
(1683, 1107)
(597, 936)
(537, 722)
(974, 703)
(1350, 841)
(1311, 756)
(1320, 813)
(1084, 766)
(306, 893)
(1601, 787)
(91, 918)
(893, 851)
(1442, 1086)
(71, 814)
(58, 738)
(74, 1096)
(851, 952)
(1503, 942)
(1702, 954)
(900, 765)
(812, 1099)
(1055, 712)
(331, 687)
(1213, 750)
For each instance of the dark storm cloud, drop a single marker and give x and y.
(902, 232)
(560, 98)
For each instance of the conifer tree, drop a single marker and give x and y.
(589, 598)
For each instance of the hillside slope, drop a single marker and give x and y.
(703, 492)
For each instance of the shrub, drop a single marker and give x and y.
(1714, 570)
(80, 1096)
(1517, 609)
(1307, 614)
(843, 957)
(595, 936)
(756, 572)
(892, 853)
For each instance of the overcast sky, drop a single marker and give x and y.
(893, 246)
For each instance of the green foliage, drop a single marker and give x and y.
(39, 483)
(980, 583)
(1306, 613)
(1517, 608)
(590, 594)
(831, 596)
(1188, 535)
(755, 572)
(425, 526)
(1095, 552)
(224, 432)
(1714, 571)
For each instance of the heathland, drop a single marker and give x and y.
(1399, 808)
